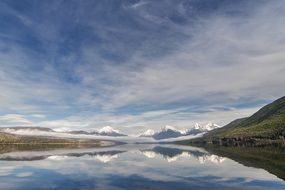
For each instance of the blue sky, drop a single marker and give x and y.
(138, 64)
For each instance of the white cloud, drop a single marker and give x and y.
(225, 60)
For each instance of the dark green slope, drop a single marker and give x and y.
(228, 127)
(270, 158)
(267, 123)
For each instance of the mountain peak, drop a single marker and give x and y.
(211, 126)
(197, 126)
(168, 127)
(108, 129)
(208, 127)
(167, 132)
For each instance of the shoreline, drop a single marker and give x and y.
(12, 139)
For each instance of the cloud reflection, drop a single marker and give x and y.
(128, 167)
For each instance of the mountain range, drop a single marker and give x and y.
(171, 132)
(267, 124)
(105, 131)
(165, 133)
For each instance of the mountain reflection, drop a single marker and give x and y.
(173, 154)
(104, 156)
(170, 154)
(140, 166)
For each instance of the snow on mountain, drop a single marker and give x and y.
(185, 131)
(197, 126)
(167, 132)
(205, 128)
(171, 132)
(169, 128)
(199, 129)
(107, 131)
(147, 133)
(211, 126)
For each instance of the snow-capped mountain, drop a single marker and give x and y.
(198, 129)
(211, 126)
(171, 132)
(167, 132)
(206, 128)
(197, 126)
(107, 131)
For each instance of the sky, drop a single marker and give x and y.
(138, 64)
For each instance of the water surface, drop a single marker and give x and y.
(131, 167)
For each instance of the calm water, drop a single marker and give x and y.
(129, 167)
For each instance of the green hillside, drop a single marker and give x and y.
(267, 123)
(270, 158)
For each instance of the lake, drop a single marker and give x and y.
(148, 166)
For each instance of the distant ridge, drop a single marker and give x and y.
(171, 132)
(105, 131)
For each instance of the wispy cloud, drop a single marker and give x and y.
(144, 63)
(138, 4)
